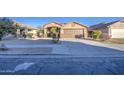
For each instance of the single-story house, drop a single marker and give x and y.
(25, 30)
(67, 30)
(33, 33)
(109, 30)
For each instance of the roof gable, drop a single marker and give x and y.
(51, 24)
(73, 25)
(102, 25)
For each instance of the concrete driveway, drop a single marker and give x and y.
(70, 57)
(88, 48)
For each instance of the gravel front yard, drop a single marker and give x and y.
(43, 50)
(116, 41)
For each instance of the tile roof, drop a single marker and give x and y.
(73, 22)
(102, 25)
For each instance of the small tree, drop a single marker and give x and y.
(96, 34)
(7, 26)
(55, 34)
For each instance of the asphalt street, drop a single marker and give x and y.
(62, 66)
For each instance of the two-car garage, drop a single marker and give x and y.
(72, 33)
(74, 30)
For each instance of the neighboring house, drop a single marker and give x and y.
(109, 30)
(24, 30)
(32, 33)
(67, 30)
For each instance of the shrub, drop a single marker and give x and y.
(7, 26)
(55, 34)
(30, 35)
(3, 47)
(96, 34)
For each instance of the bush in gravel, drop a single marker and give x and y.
(30, 35)
(3, 47)
(96, 34)
(55, 34)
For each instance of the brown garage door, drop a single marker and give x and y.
(72, 33)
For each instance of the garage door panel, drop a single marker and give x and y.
(72, 33)
(117, 33)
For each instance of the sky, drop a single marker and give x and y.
(39, 21)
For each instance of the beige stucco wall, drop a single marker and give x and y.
(117, 30)
(34, 32)
(117, 33)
